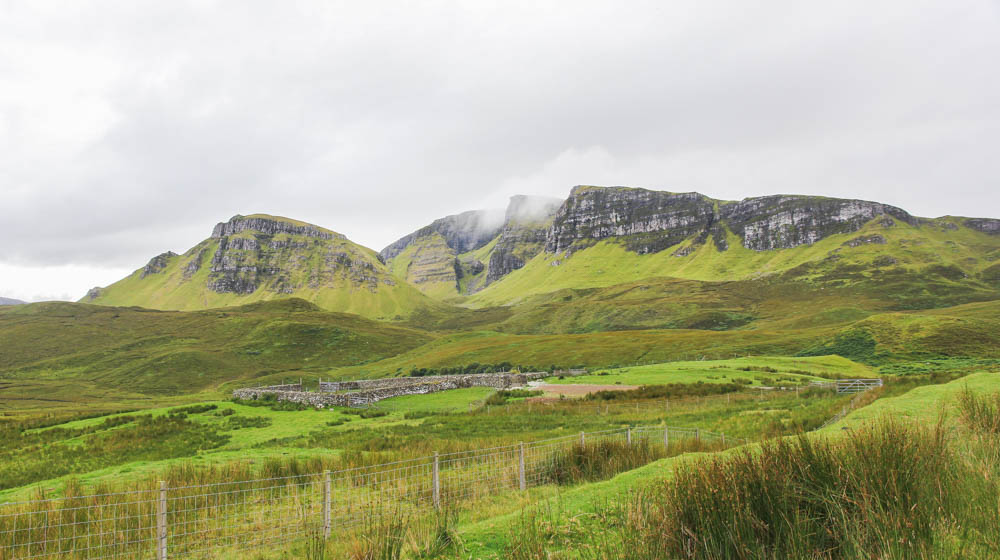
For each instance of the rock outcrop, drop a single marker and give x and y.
(525, 228)
(436, 255)
(650, 221)
(157, 264)
(261, 257)
(270, 226)
(249, 257)
(784, 221)
(985, 225)
(461, 232)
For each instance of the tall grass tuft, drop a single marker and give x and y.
(981, 413)
(879, 493)
(382, 537)
(438, 536)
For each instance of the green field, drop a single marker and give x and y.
(756, 370)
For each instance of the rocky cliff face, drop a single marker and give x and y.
(526, 226)
(783, 221)
(260, 257)
(651, 221)
(157, 264)
(437, 255)
(270, 226)
(985, 225)
(249, 257)
(462, 232)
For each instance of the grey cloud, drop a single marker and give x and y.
(130, 130)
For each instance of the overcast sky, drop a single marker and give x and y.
(131, 128)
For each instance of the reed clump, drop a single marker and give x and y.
(879, 492)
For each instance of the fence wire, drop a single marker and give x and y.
(200, 521)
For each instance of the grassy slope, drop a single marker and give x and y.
(488, 538)
(922, 404)
(608, 263)
(170, 289)
(120, 353)
(725, 371)
(965, 330)
(427, 255)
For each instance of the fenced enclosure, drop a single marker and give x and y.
(197, 521)
(848, 386)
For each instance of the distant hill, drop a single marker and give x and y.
(260, 257)
(605, 236)
(596, 239)
(10, 301)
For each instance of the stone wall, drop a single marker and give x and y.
(364, 392)
(495, 380)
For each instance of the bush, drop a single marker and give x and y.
(366, 412)
(239, 422)
(193, 409)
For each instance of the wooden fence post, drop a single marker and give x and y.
(666, 437)
(697, 434)
(520, 469)
(723, 434)
(326, 504)
(583, 439)
(161, 523)
(628, 435)
(437, 482)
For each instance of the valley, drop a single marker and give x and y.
(710, 319)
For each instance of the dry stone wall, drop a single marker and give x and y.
(495, 380)
(364, 392)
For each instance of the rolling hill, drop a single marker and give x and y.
(260, 257)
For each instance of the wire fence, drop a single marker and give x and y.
(201, 520)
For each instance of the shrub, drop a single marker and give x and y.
(239, 422)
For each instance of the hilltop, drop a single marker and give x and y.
(10, 301)
(261, 257)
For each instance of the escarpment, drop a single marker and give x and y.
(260, 257)
(651, 221)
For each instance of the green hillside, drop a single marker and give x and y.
(71, 355)
(956, 258)
(252, 265)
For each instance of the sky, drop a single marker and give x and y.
(130, 128)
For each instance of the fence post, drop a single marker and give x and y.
(723, 434)
(583, 439)
(161, 523)
(697, 434)
(437, 482)
(520, 469)
(666, 437)
(326, 504)
(628, 435)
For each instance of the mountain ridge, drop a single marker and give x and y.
(543, 244)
